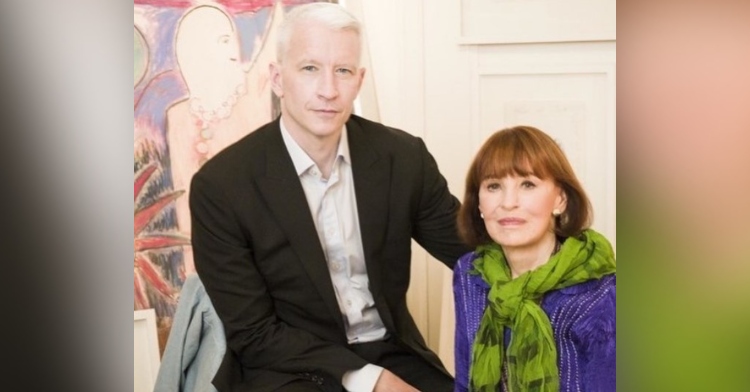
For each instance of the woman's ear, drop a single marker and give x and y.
(561, 202)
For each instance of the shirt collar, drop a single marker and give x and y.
(302, 161)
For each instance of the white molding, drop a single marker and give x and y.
(145, 350)
(515, 21)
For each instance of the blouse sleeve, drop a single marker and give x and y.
(462, 348)
(597, 338)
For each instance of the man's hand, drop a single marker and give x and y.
(389, 382)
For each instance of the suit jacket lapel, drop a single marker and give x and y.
(371, 172)
(281, 188)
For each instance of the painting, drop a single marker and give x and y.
(200, 84)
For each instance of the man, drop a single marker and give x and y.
(302, 230)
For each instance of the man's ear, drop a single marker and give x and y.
(274, 70)
(362, 71)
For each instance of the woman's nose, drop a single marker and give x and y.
(509, 199)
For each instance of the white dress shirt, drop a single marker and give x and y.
(333, 206)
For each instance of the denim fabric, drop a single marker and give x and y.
(196, 343)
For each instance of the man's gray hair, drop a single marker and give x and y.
(329, 15)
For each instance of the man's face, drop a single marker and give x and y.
(317, 80)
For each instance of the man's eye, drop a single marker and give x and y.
(345, 71)
(309, 68)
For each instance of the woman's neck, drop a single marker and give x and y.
(525, 259)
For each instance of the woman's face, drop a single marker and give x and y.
(518, 210)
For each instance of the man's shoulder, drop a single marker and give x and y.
(240, 155)
(254, 140)
(382, 134)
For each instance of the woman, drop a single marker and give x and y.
(535, 302)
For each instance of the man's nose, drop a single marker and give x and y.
(327, 87)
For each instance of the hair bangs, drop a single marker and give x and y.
(513, 158)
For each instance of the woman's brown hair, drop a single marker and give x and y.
(522, 151)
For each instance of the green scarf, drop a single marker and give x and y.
(515, 303)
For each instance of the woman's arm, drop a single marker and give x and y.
(597, 339)
(462, 344)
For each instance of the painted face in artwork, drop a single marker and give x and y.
(208, 53)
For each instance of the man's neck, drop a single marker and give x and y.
(322, 150)
(323, 154)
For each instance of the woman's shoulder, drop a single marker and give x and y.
(605, 284)
(465, 263)
(589, 308)
(594, 295)
(462, 272)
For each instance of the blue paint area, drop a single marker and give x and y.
(163, 53)
(162, 92)
(249, 27)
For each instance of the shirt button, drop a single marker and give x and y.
(336, 267)
(348, 303)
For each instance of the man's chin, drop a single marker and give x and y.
(327, 128)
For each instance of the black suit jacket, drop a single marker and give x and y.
(258, 253)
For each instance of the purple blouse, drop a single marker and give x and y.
(583, 322)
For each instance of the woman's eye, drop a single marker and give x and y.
(493, 186)
(528, 184)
